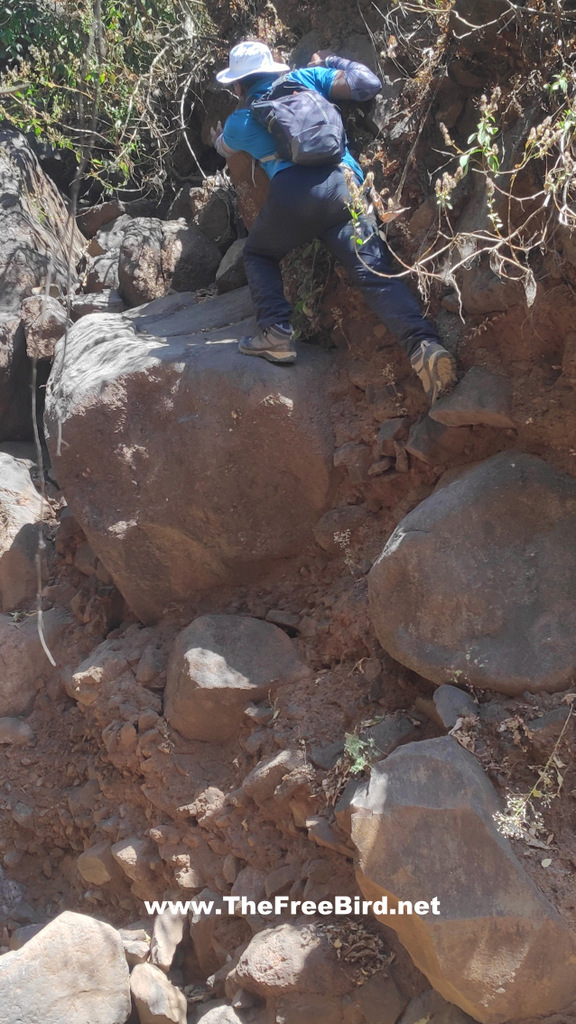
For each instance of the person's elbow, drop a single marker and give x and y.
(356, 83)
(371, 87)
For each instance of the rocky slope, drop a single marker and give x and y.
(277, 632)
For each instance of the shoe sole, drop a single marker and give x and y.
(282, 358)
(442, 373)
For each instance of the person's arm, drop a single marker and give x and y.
(220, 146)
(354, 81)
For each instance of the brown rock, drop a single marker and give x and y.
(16, 733)
(430, 1006)
(322, 833)
(202, 927)
(135, 856)
(250, 885)
(569, 358)
(480, 397)
(294, 957)
(424, 828)
(391, 431)
(382, 466)
(93, 218)
(434, 443)
(296, 1008)
(380, 1001)
(338, 527)
(96, 864)
(201, 491)
(483, 291)
(20, 514)
(261, 782)
(219, 663)
(476, 584)
(479, 23)
(280, 880)
(24, 665)
(45, 322)
(355, 459)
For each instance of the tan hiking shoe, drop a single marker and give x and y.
(436, 368)
(274, 343)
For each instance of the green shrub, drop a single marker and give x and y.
(103, 77)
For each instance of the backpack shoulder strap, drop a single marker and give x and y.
(283, 87)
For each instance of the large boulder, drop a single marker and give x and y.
(38, 240)
(478, 583)
(73, 970)
(186, 464)
(218, 665)
(424, 829)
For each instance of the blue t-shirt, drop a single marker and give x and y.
(242, 130)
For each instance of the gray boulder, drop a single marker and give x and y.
(102, 273)
(91, 219)
(452, 704)
(478, 583)
(73, 970)
(480, 397)
(186, 464)
(107, 301)
(218, 665)
(156, 256)
(424, 829)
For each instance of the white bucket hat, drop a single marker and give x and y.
(249, 58)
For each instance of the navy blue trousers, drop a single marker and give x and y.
(310, 202)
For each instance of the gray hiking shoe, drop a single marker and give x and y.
(274, 343)
(436, 368)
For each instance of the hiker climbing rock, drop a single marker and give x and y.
(307, 161)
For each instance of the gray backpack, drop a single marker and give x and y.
(306, 127)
